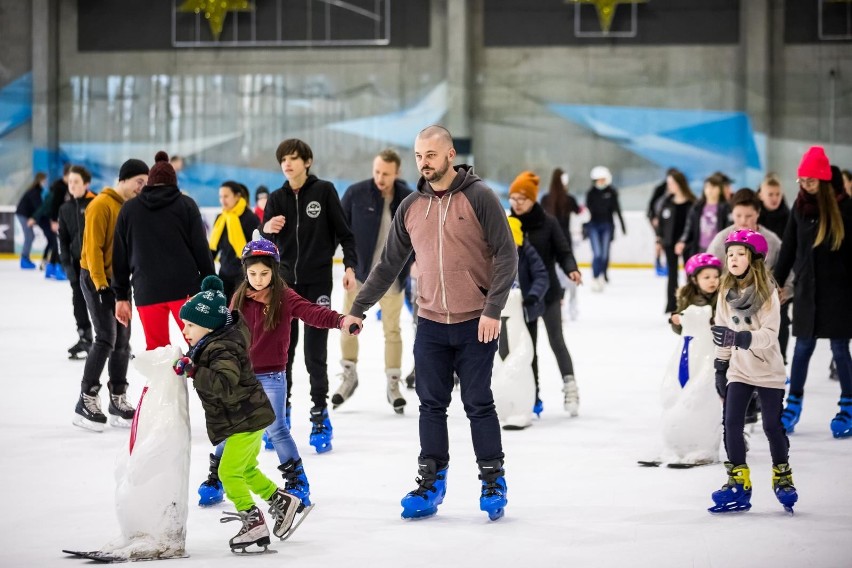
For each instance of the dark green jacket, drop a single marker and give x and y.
(232, 397)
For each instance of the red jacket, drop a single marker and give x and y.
(268, 351)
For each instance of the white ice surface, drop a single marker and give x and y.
(576, 496)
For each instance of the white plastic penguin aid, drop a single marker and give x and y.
(512, 380)
(152, 476)
(692, 411)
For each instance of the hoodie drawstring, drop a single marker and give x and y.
(447, 210)
(428, 207)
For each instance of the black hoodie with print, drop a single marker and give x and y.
(160, 247)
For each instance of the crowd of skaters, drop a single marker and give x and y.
(158, 247)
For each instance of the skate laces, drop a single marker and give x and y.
(120, 402)
(277, 504)
(92, 404)
(491, 488)
(248, 518)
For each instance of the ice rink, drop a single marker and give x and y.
(576, 495)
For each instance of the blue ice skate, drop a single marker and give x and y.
(841, 425)
(267, 441)
(791, 414)
(735, 495)
(296, 482)
(210, 492)
(493, 498)
(538, 408)
(782, 484)
(431, 488)
(321, 431)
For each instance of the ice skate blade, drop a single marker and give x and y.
(514, 427)
(729, 508)
(496, 514)
(299, 520)
(119, 422)
(419, 514)
(842, 435)
(77, 356)
(86, 424)
(110, 558)
(649, 463)
(682, 465)
(322, 448)
(244, 550)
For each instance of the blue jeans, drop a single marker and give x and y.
(29, 236)
(275, 386)
(802, 357)
(440, 349)
(600, 235)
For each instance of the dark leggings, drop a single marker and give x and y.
(672, 261)
(552, 318)
(737, 397)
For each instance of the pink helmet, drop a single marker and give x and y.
(752, 240)
(700, 261)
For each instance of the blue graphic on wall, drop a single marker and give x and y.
(16, 109)
(698, 142)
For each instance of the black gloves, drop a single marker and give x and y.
(531, 300)
(105, 295)
(721, 367)
(726, 337)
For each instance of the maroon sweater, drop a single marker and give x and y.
(268, 352)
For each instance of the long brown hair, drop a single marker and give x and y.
(272, 315)
(830, 221)
(558, 204)
(758, 276)
(681, 182)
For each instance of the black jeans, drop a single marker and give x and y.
(81, 315)
(671, 285)
(440, 349)
(737, 397)
(552, 318)
(112, 340)
(316, 345)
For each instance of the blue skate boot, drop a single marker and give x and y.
(841, 425)
(321, 431)
(538, 407)
(790, 416)
(735, 495)
(296, 482)
(431, 488)
(267, 441)
(210, 492)
(782, 484)
(493, 499)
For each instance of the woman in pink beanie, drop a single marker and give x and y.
(817, 247)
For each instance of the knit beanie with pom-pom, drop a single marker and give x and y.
(208, 308)
(162, 172)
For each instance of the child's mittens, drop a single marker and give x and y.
(726, 337)
(184, 366)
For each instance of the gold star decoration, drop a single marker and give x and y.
(606, 9)
(215, 11)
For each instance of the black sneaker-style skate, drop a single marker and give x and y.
(84, 344)
(87, 413)
(282, 507)
(120, 411)
(252, 536)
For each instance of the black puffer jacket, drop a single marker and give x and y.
(233, 399)
(691, 235)
(823, 278)
(545, 235)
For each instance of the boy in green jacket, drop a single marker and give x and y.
(236, 410)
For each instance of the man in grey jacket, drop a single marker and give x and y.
(467, 261)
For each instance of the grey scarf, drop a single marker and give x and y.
(743, 301)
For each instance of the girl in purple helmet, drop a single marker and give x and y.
(269, 306)
(701, 287)
(748, 359)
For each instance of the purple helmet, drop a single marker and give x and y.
(700, 261)
(258, 246)
(752, 240)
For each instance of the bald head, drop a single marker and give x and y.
(439, 132)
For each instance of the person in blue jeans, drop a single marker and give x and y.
(268, 307)
(817, 248)
(25, 213)
(602, 203)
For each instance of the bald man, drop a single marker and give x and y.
(467, 261)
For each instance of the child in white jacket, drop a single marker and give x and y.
(748, 358)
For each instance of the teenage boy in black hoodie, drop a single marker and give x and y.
(72, 220)
(161, 245)
(305, 219)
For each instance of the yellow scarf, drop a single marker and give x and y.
(230, 219)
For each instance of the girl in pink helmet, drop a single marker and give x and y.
(701, 286)
(748, 359)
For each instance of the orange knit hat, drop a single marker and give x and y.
(526, 184)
